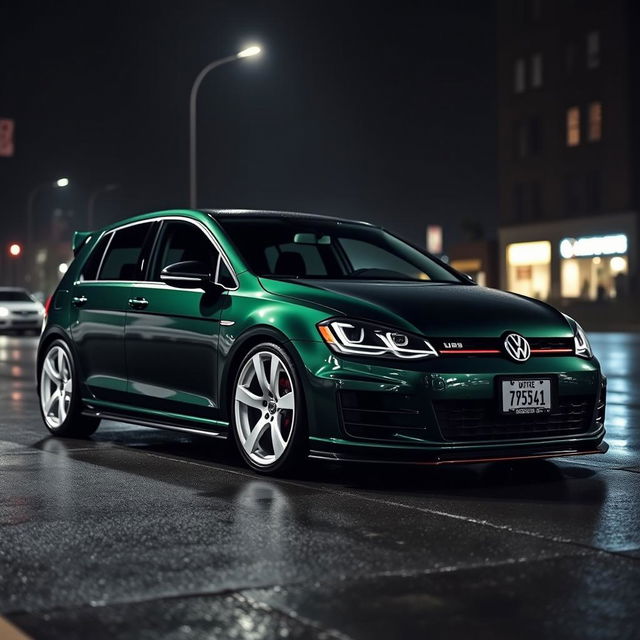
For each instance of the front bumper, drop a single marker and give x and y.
(20, 323)
(444, 410)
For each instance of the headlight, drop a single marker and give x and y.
(359, 338)
(583, 348)
(4, 312)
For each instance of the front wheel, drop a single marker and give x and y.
(268, 411)
(59, 393)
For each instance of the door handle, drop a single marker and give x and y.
(138, 303)
(78, 301)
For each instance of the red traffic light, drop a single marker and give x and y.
(15, 250)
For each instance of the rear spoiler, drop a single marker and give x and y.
(79, 239)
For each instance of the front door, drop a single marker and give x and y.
(171, 335)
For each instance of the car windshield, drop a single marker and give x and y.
(290, 247)
(15, 296)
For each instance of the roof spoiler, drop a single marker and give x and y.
(79, 239)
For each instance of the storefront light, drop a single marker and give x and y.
(618, 264)
(529, 253)
(589, 247)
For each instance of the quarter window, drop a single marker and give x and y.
(123, 257)
(91, 266)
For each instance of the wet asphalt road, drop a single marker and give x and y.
(139, 533)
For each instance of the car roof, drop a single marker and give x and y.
(221, 214)
(3, 289)
(269, 213)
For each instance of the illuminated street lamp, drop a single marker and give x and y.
(15, 250)
(60, 183)
(249, 52)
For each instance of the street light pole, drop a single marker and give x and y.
(92, 202)
(193, 181)
(60, 183)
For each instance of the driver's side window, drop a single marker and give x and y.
(182, 241)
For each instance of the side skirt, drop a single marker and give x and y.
(154, 424)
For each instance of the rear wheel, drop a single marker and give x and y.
(60, 404)
(268, 411)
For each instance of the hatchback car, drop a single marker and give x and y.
(19, 310)
(304, 336)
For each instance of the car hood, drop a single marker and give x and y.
(431, 309)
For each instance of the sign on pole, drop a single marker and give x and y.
(7, 127)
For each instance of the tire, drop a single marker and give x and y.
(268, 414)
(62, 413)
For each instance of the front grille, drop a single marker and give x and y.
(375, 415)
(467, 420)
(25, 313)
(460, 347)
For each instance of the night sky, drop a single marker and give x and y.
(379, 111)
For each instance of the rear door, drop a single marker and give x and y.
(171, 334)
(99, 306)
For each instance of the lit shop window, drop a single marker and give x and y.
(595, 121)
(588, 269)
(529, 268)
(573, 126)
(519, 75)
(593, 50)
(536, 70)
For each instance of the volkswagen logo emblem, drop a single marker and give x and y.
(517, 347)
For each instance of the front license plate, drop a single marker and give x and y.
(526, 395)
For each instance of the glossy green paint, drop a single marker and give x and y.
(175, 359)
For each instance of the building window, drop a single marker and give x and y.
(520, 141)
(519, 76)
(527, 201)
(519, 202)
(536, 70)
(535, 136)
(535, 200)
(593, 191)
(573, 188)
(593, 50)
(573, 126)
(595, 121)
(529, 268)
(527, 138)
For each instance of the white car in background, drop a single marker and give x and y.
(19, 310)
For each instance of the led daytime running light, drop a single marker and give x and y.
(375, 341)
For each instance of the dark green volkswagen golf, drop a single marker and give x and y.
(301, 336)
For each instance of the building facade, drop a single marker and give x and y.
(568, 149)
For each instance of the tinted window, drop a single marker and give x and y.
(183, 241)
(307, 248)
(91, 266)
(15, 296)
(122, 260)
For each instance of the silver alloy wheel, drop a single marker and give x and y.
(56, 386)
(264, 406)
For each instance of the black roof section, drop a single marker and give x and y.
(232, 213)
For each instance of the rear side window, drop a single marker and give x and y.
(91, 266)
(123, 256)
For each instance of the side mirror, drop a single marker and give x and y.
(190, 274)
